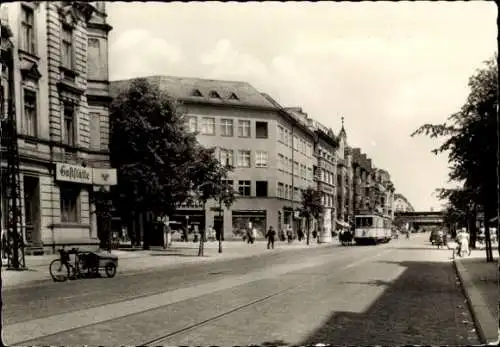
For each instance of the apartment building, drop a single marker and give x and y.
(401, 204)
(326, 178)
(361, 170)
(270, 151)
(61, 102)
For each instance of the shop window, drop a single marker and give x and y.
(261, 188)
(192, 124)
(261, 130)
(69, 203)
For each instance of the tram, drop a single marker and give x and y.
(372, 228)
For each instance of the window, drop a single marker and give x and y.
(94, 59)
(196, 92)
(290, 140)
(281, 189)
(296, 168)
(296, 195)
(69, 124)
(208, 126)
(30, 113)
(286, 191)
(281, 160)
(243, 158)
(261, 188)
(281, 135)
(226, 127)
(95, 130)
(214, 94)
(244, 128)
(28, 30)
(233, 97)
(67, 47)
(261, 130)
(296, 142)
(244, 188)
(192, 124)
(290, 165)
(261, 159)
(226, 157)
(69, 203)
(286, 137)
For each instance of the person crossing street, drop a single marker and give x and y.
(271, 234)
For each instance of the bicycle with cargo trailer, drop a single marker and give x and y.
(84, 264)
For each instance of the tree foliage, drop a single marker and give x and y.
(470, 140)
(311, 207)
(208, 179)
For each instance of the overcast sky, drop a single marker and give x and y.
(387, 67)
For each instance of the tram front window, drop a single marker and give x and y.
(364, 222)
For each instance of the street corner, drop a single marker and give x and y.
(479, 280)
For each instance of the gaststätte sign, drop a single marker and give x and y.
(73, 173)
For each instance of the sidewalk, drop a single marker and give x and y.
(180, 253)
(480, 283)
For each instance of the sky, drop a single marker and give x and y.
(387, 67)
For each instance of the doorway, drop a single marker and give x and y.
(31, 189)
(219, 227)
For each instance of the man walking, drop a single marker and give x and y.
(271, 234)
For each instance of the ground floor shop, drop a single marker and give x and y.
(56, 204)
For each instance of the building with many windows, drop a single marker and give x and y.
(401, 204)
(271, 152)
(61, 102)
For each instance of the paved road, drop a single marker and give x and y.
(393, 294)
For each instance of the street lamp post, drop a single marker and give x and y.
(220, 225)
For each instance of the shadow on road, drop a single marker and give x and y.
(424, 305)
(430, 248)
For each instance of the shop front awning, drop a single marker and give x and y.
(342, 224)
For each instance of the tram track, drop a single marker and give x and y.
(312, 277)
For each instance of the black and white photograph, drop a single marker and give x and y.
(273, 173)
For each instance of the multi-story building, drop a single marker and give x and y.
(401, 204)
(270, 150)
(361, 171)
(343, 179)
(326, 178)
(61, 102)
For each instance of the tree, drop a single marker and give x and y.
(208, 177)
(152, 152)
(472, 143)
(311, 207)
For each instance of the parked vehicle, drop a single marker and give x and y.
(84, 263)
(435, 237)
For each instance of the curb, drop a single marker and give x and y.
(478, 307)
(199, 260)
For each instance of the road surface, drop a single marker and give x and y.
(399, 293)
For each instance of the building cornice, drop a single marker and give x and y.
(100, 26)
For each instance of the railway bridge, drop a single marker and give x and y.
(420, 219)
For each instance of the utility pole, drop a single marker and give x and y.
(13, 214)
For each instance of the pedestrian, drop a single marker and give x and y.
(254, 234)
(289, 232)
(271, 234)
